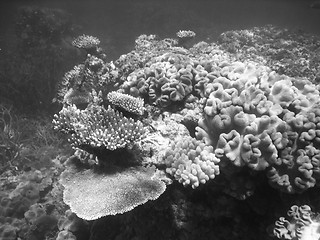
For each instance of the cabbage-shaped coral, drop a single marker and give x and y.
(303, 224)
(97, 127)
(93, 194)
(166, 82)
(191, 162)
(128, 103)
(256, 118)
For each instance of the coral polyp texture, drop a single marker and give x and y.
(86, 42)
(97, 127)
(191, 162)
(294, 53)
(92, 195)
(186, 34)
(126, 102)
(254, 117)
(302, 224)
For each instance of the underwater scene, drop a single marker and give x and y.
(159, 120)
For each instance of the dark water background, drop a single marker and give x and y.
(117, 23)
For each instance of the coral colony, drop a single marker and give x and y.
(168, 123)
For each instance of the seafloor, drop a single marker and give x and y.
(176, 139)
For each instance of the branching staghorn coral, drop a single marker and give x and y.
(191, 162)
(303, 224)
(97, 127)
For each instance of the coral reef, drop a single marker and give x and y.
(215, 138)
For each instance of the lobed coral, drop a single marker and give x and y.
(164, 83)
(191, 162)
(303, 224)
(256, 118)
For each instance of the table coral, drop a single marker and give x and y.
(92, 195)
